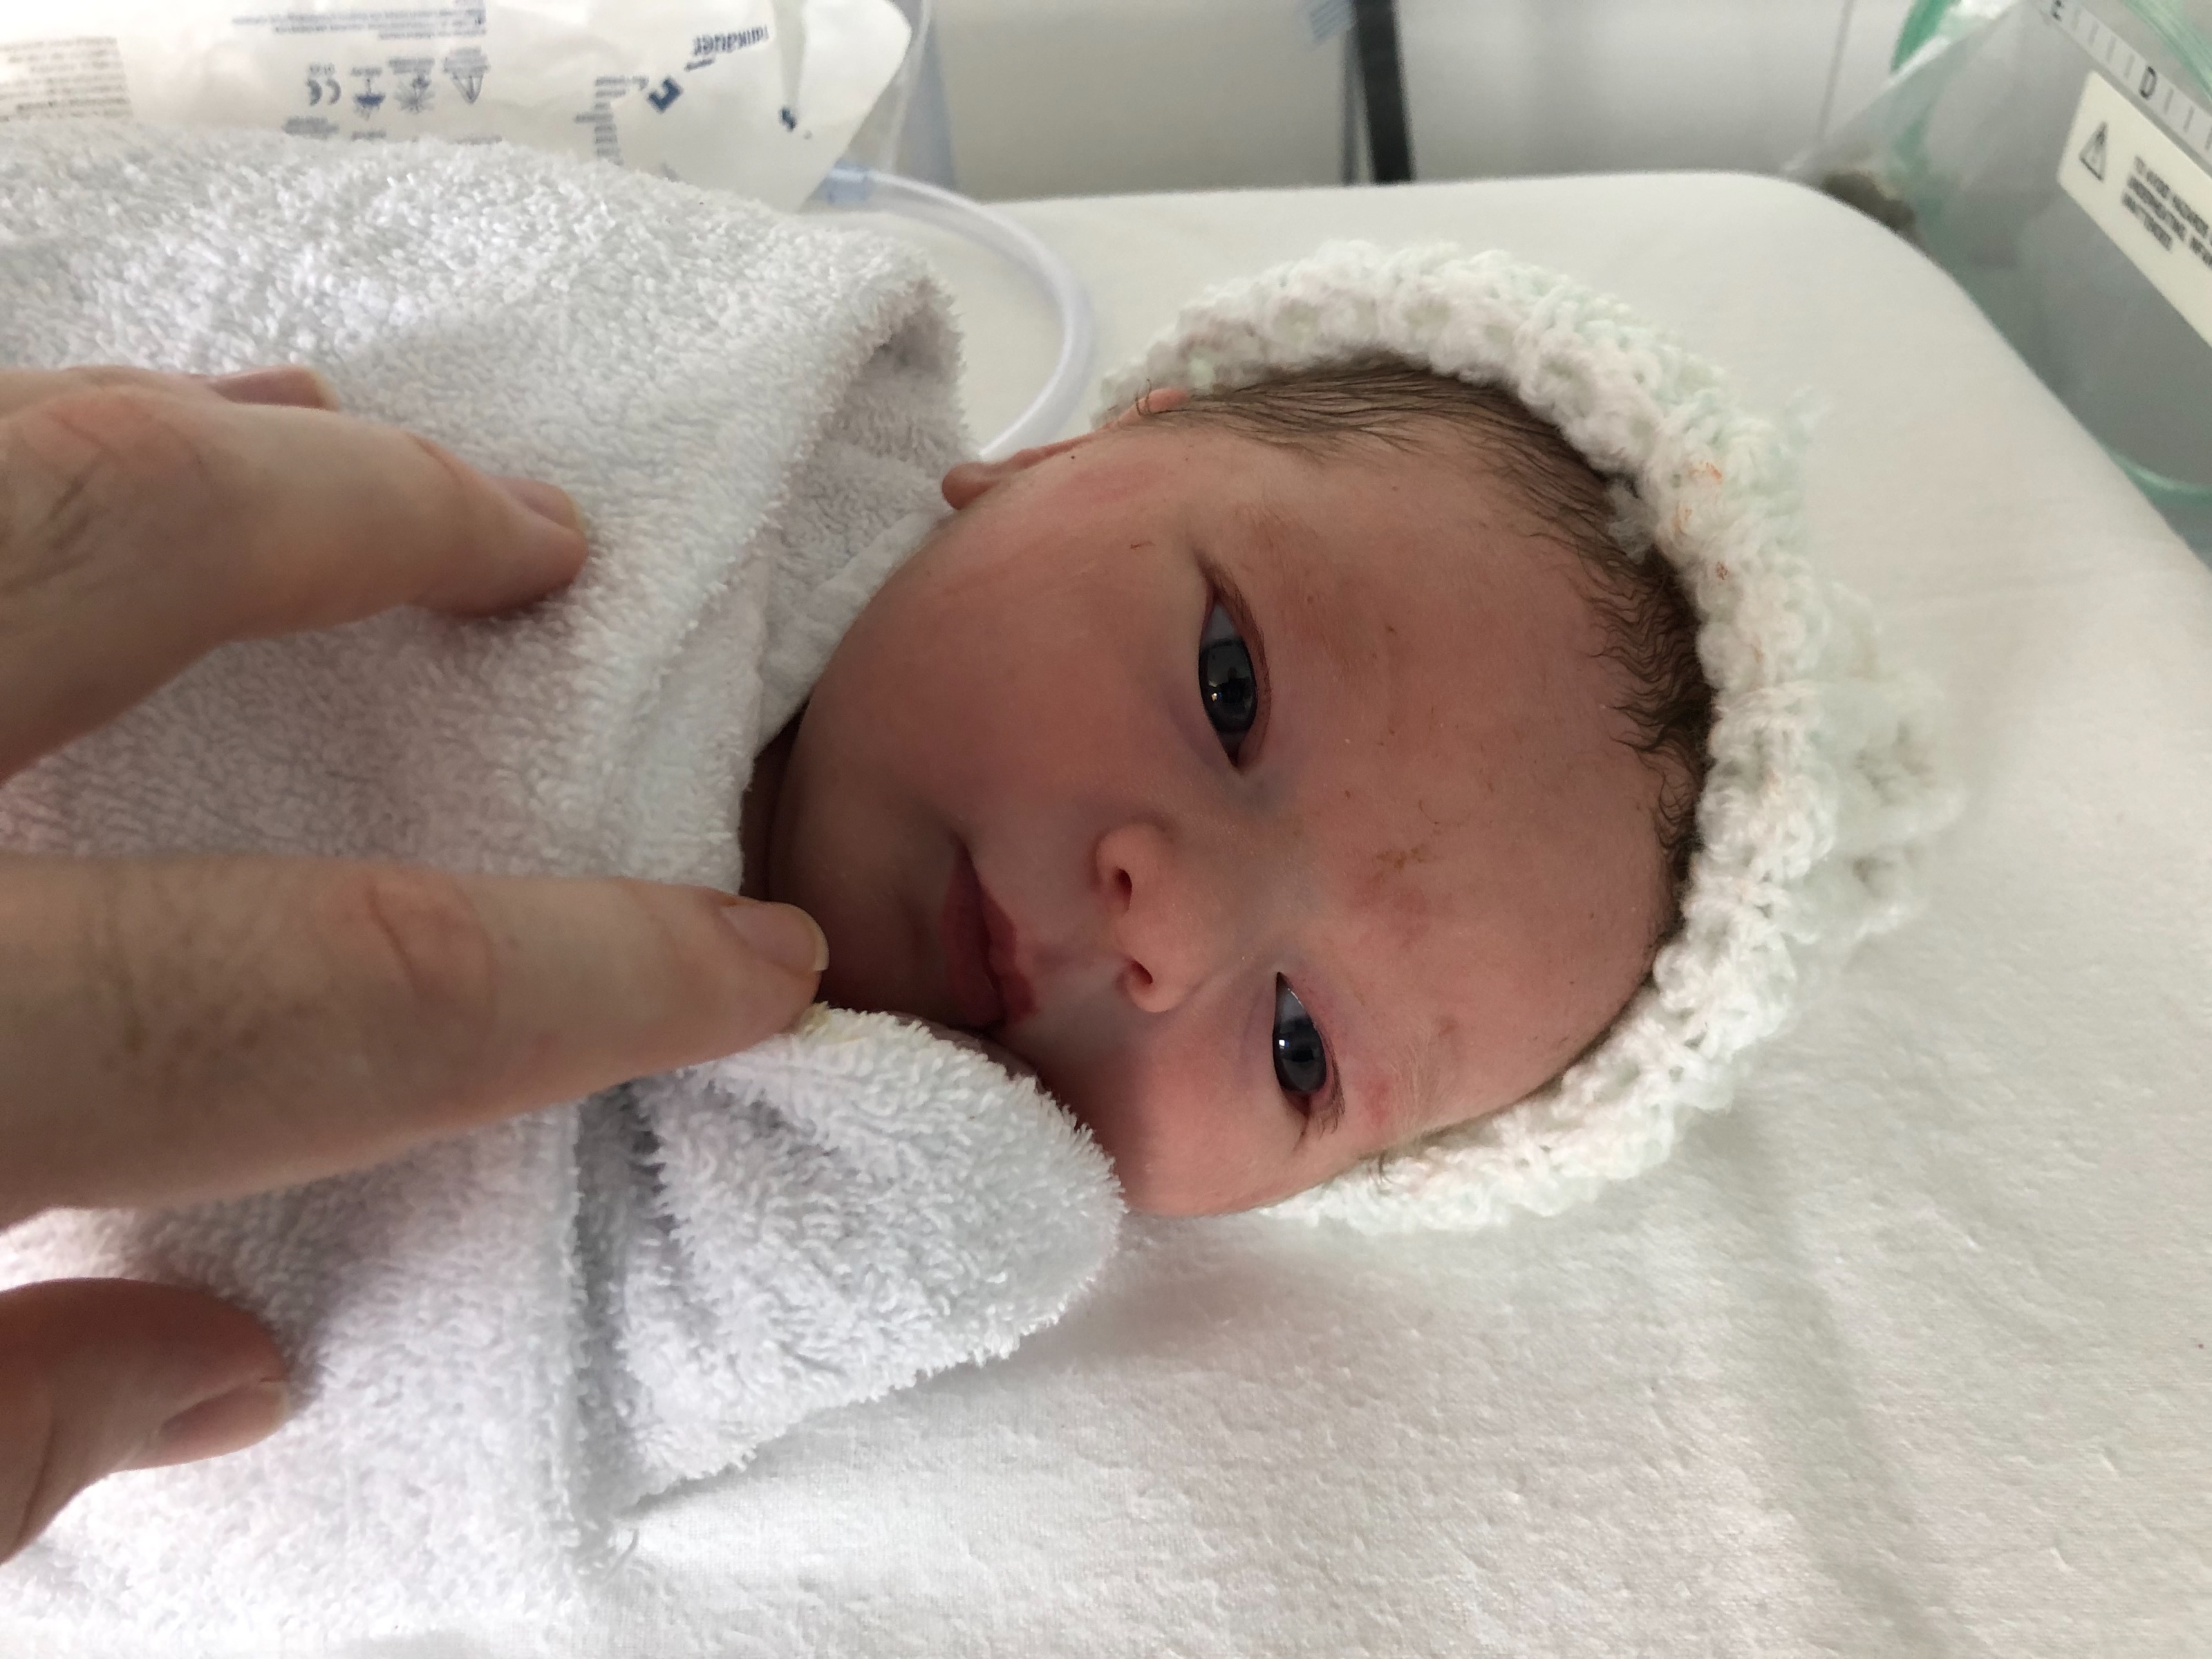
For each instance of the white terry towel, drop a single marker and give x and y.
(508, 1339)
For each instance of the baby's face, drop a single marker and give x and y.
(1421, 877)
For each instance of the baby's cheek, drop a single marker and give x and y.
(1198, 1143)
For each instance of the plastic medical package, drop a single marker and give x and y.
(756, 97)
(2055, 156)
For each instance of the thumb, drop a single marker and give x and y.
(101, 1374)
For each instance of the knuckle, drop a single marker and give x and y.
(87, 468)
(30, 1426)
(125, 926)
(432, 957)
(137, 435)
(121, 377)
(169, 980)
(459, 496)
(26, 1471)
(460, 520)
(20, 387)
(114, 939)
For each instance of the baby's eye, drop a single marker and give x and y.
(1301, 1062)
(1226, 682)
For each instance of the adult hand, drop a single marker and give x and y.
(184, 1028)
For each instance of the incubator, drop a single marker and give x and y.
(2056, 158)
(1896, 1359)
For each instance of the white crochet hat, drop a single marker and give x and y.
(1821, 787)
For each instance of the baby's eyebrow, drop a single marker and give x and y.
(1293, 591)
(1276, 542)
(1265, 524)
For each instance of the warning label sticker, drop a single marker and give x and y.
(82, 75)
(2145, 192)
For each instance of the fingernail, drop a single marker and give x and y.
(293, 385)
(784, 934)
(229, 1423)
(546, 500)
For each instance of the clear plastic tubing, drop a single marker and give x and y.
(1055, 403)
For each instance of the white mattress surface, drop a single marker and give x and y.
(1907, 1356)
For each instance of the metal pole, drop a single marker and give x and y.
(1382, 89)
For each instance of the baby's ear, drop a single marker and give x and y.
(1155, 400)
(970, 481)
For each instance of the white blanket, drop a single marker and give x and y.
(1899, 1359)
(508, 1339)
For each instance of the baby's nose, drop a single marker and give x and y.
(1166, 916)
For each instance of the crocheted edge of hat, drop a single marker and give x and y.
(1823, 784)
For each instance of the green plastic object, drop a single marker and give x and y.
(1920, 25)
(1961, 154)
(2182, 34)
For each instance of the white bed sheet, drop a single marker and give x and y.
(1907, 1356)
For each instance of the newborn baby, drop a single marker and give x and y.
(1285, 774)
(1392, 771)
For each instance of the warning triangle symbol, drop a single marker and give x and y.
(2093, 153)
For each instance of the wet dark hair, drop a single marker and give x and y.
(1650, 627)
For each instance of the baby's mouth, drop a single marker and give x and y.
(978, 942)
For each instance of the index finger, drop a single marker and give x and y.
(280, 383)
(140, 528)
(181, 1028)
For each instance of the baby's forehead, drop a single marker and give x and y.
(1429, 506)
(1526, 455)
(1383, 555)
